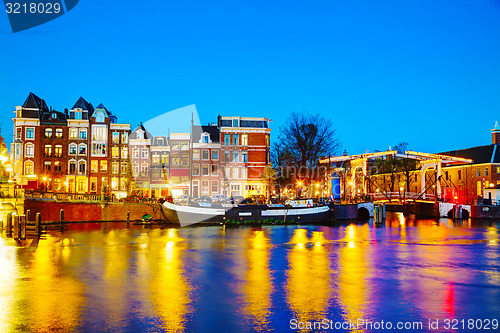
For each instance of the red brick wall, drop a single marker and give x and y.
(88, 211)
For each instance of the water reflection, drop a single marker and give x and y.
(354, 272)
(308, 283)
(170, 292)
(258, 284)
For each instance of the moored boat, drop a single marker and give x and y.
(299, 211)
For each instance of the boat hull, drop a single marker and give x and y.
(187, 215)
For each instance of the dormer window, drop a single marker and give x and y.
(205, 138)
(53, 115)
(99, 116)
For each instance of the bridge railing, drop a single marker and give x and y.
(400, 196)
(61, 196)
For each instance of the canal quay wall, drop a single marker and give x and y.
(92, 211)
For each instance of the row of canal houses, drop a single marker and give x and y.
(86, 150)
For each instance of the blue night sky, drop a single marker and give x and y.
(422, 71)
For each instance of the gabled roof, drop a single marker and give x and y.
(35, 102)
(53, 116)
(212, 130)
(84, 105)
(480, 154)
(141, 127)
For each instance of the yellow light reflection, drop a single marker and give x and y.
(170, 292)
(258, 285)
(308, 283)
(56, 297)
(353, 275)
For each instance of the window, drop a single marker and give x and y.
(204, 170)
(82, 166)
(59, 133)
(28, 168)
(215, 170)
(226, 139)
(83, 134)
(196, 170)
(93, 184)
(30, 150)
(204, 187)
(227, 173)
(83, 149)
(124, 152)
(115, 167)
(104, 166)
(244, 173)
(144, 153)
(478, 172)
(73, 133)
(204, 138)
(123, 184)
(48, 151)
(235, 156)
(196, 154)
(114, 183)
(267, 140)
(235, 140)
(184, 159)
(244, 156)
(164, 160)
(215, 155)
(235, 123)
(175, 159)
(19, 132)
(115, 152)
(215, 186)
(115, 137)
(94, 166)
(244, 140)
(235, 173)
(175, 145)
(48, 133)
(135, 153)
(72, 167)
(486, 171)
(58, 151)
(156, 160)
(124, 168)
(81, 182)
(124, 137)
(99, 133)
(47, 165)
(30, 133)
(460, 174)
(57, 166)
(144, 169)
(204, 155)
(184, 145)
(99, 149)
(135, 169)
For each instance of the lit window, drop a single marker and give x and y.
(184, 159)
(235, 173)
(124, 137)
(175, 159)
(59, 133)
(28, 168)
(114, 167)
(244, 173)
(175, 145)
(48, 132)
(48, 151)
(124, 168)
(58, 151)
(135, 153)
(196, 170)
(104, 166)
(115, 152)
(244, 140)
(124, 152)
(94, 165)
(204, 170)
(73, 133)
(196, 154)
(184, 145)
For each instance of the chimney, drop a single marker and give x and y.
(66, 111)
(345, 152)
(495, 134)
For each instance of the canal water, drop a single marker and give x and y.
(110, 278)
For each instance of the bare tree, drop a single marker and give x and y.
(302, 141)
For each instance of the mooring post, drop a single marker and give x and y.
(383, 211)
(375, 213)
(128, 216)
(9, 225)
(22, 224)
(28, 215)
(16, 226)
(61, 215)
(38, 224)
